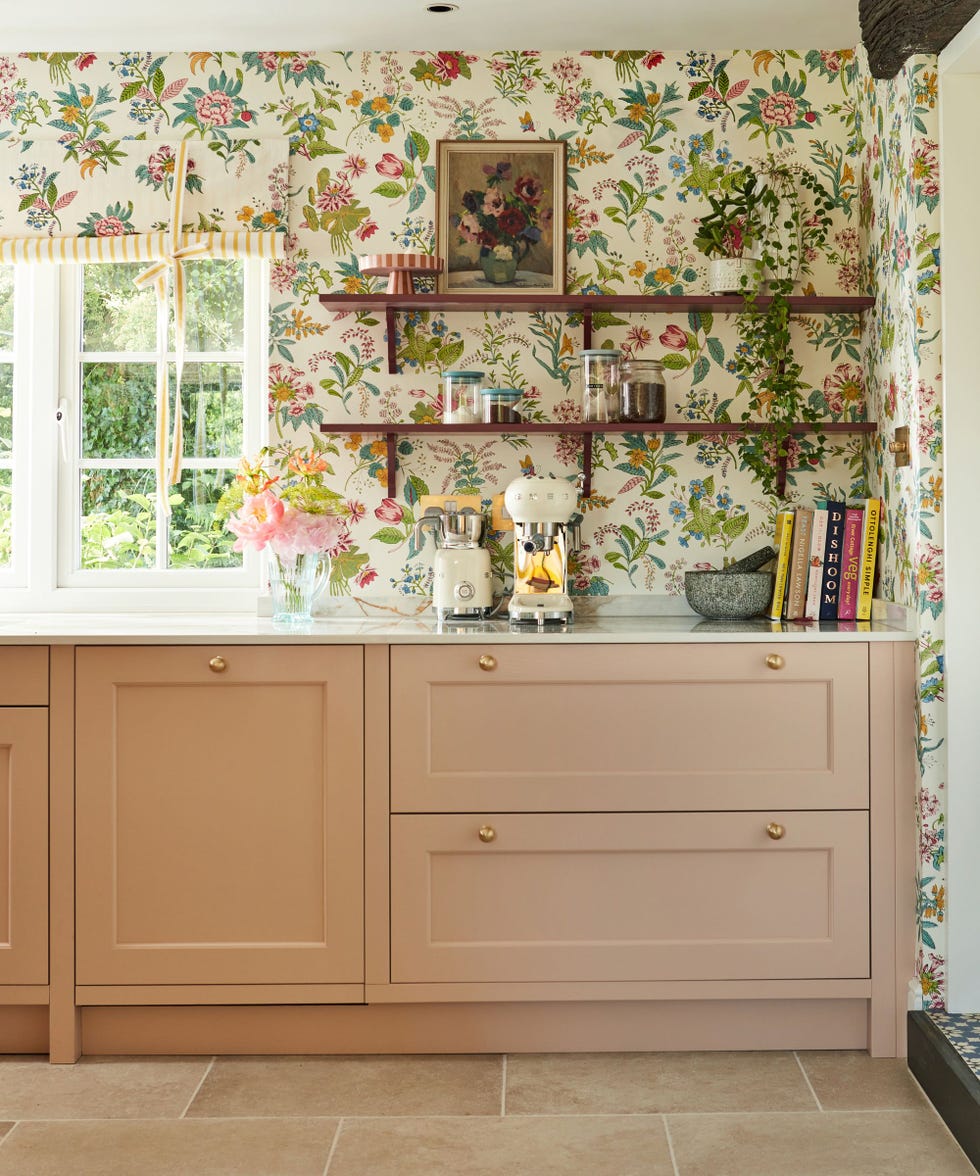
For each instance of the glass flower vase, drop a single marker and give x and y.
(295, 582)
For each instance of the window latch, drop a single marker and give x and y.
(61, 416)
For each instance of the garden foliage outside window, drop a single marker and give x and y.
(117, 514)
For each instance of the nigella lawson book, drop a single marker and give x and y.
(832, 561)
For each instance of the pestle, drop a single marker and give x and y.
(752, 563)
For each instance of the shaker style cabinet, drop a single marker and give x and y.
(23, 816)
(629, 813)
(219, 816)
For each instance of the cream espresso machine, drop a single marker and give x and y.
(543, 534)
(461, 586)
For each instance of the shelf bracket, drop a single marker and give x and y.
(587, 328)
(587, 464)
(390, 328)
(390, 439)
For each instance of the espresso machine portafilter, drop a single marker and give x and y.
(541, 509)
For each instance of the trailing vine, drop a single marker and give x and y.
(788, 235)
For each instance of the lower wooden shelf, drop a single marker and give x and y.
(391, 431)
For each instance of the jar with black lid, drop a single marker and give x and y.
(642, 390)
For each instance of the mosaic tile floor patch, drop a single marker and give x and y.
(963, 1032)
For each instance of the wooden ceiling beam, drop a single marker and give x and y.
(894, 30)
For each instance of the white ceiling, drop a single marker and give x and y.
(480, 25)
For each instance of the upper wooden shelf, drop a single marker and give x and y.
(586, 305)
(651, 303)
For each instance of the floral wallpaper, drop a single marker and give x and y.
(897, 136)
(649, 133)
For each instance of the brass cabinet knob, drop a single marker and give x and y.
(218, 664)
(775, 831)
(775, 661)
(487, 662)
(488, 833)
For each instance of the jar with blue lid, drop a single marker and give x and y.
(600, 383)
(500, 406)
(461, 398)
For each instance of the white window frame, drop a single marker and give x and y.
(46, 385)
(14, 574)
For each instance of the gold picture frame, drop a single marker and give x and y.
(500, 217)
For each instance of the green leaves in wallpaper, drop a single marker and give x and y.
(649, 114)
(425, 343)
(712, 519)
(630, 200)
(633, 554)
(686, 348)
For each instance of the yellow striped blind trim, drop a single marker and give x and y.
(145, 247)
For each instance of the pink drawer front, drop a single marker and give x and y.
(638, 896)
(628, 727)
(24, 675)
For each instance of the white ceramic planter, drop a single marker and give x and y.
(725, 274)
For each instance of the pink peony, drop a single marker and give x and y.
(257, 521)
(674, 338)
(389, 511)
(389, 165)
(215, 109)
(301, 533)
(779, 109)
(110, 226)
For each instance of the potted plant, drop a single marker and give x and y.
(728, 233)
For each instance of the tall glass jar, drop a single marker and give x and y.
(600, 384)
(642, 390)
(461, 398)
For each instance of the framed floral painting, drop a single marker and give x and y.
(500, 209)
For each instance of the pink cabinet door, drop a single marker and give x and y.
(629, 727)
(24, 845)
(219, 815)
(638, 896)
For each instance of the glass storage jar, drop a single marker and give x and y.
(499, 406)
(461, 398)
(600, 384)
(642, 390)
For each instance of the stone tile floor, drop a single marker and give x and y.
(698, 1114)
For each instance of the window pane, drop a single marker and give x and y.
(211, 401)
(214, 319)
(118, 409)
(118, 519)
(116, 315)
(197, 539)
(6, 307)
(6, 409)
(6, 516)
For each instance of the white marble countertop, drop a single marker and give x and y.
(891, 624)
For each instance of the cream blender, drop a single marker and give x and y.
(462, 586)
(541, 509)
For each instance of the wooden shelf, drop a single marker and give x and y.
(587, 429)
(585, 304)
